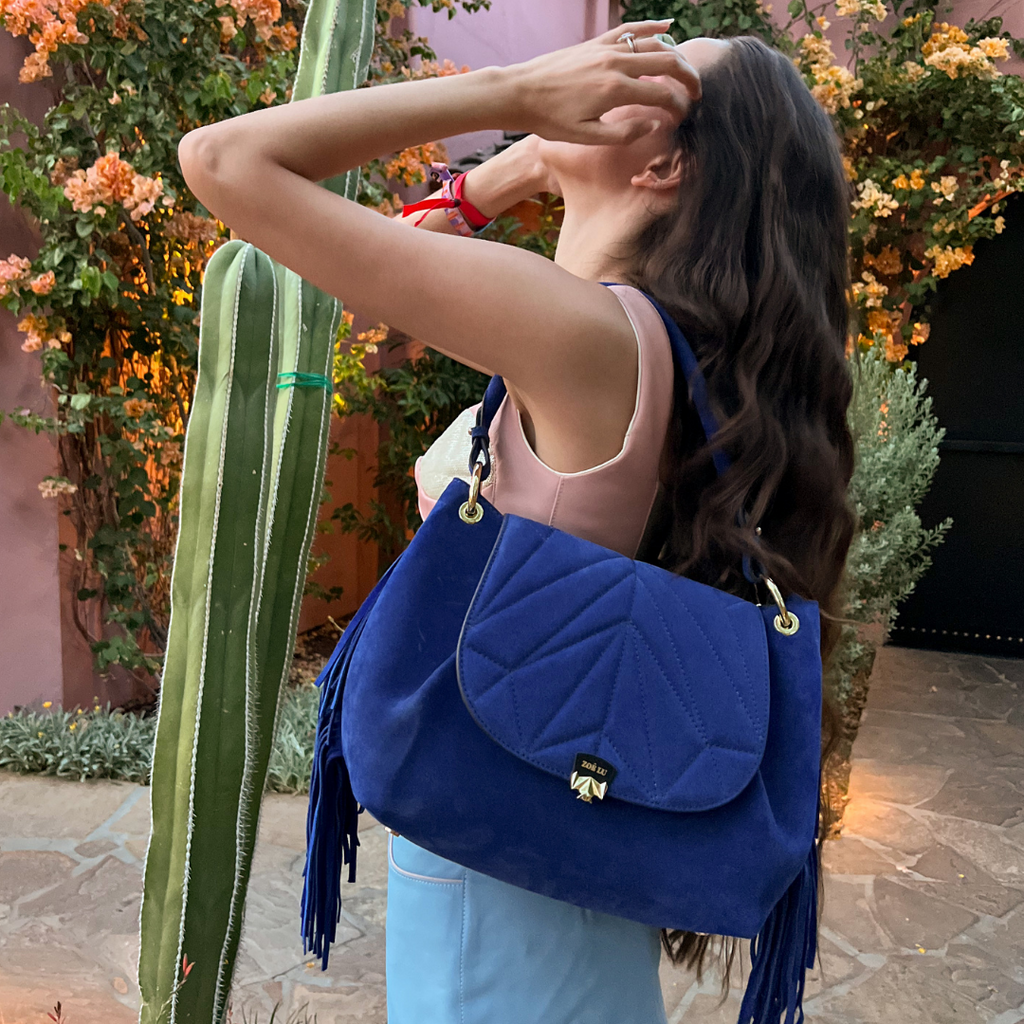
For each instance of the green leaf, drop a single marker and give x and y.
(92, 280)
(83, 227)
(80, 401)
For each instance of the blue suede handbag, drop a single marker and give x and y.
(590, 727)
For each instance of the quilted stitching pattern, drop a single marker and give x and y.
(569, 647)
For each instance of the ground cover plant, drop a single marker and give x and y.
(105, 743)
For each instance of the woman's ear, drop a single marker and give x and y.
(663, 174)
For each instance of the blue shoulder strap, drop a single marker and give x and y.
(684, 357)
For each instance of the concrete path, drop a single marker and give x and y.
(924, 918)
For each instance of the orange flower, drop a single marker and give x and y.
(373, 337)
(13, 273)
(112, 180)
(888, 261)
(190, 228)
(62, 170)
(48, 24)
(36, 328)
(895, 351)
(879, 320)
(135, 407)
(920, 334)
(43, 284)
(412, 166)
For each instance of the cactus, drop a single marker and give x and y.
(254, 463)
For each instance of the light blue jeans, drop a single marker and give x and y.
(463, 948)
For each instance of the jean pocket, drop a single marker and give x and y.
(412, 861)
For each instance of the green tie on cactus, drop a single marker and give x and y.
(254, 462)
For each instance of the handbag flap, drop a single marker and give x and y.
(569, 648)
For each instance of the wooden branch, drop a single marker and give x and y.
(136, 236)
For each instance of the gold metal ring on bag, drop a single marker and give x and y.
(786, 621)
(471, 512)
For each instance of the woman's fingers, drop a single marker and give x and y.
(659, 60)
(672, 98)
(640, 29)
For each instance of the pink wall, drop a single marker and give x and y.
(30, 620)
(510, 32)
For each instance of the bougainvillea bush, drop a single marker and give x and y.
(109, 307)
(934, 139)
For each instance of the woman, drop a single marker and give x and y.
(705, 175)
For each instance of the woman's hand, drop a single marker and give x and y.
(562, 96)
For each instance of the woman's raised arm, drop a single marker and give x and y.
(492, 305)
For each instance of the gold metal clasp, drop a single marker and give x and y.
(786, 621)
(591, 776)
(471, 512)
(587, 787)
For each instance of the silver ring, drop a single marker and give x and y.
(629, 39)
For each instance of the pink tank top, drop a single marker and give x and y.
(608, 504)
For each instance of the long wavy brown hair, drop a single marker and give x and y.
(753, 266)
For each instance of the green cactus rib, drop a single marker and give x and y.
(255, 459)
(201, 733)
(308, 323)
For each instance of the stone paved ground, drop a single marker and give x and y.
(924, 917)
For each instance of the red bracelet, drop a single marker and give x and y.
(464, 216)
(475, 218)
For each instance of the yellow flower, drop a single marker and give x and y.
(997, 49)
(52, 486)
(900, 181)
(947, 185)
(895, 351)
(916, 179)
(947, 259)
(47, 703)
(861, 8)
(72, 726)
(870, 289)
(872, 198)
(373, 337)
(879, 320)
(1000, 224)
(949, 50)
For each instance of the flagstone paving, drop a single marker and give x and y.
(924, 914)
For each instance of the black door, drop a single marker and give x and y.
(972, 598)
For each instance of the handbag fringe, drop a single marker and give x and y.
(782, 951)
(332, 822)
